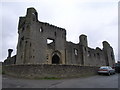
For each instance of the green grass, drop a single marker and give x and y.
(51, 78)
(47, 78)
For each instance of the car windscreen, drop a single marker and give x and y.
(103, 68)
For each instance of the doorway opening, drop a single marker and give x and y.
(55, 59)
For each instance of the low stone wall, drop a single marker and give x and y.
(45, 70)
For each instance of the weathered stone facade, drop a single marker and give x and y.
(34, 46)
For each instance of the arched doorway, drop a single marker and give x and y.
(55, 59)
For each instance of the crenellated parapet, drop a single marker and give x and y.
(47, 24)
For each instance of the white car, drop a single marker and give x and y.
(106, 70)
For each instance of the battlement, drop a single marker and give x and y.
(50, 25)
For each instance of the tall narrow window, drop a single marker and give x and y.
(41, 29)
(84, 39)
(22, 38)
(89, 54)
(30, 44)
(98, 55)
(85, 48)
(55, 33)
(21, 56)
(112, 56)
(23, 29)
(76, 51)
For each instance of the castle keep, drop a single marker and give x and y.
(43, 43)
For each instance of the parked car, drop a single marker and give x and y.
(106, 70)
(117, 67)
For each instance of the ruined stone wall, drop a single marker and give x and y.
(87, 56)
(76, 53)
(91, 57)
(109, 54)
(95, 57)
(58, 36)
(10, 60)
(32, 45)
(73, 54)
(45, 70)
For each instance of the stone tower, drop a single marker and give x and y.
(39, 42)
(83, 40)
(83, 43)
(109, 54)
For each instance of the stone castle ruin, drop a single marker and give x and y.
(43, 43)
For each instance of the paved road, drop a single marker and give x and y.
(97, 81)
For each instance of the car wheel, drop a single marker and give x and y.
(108, 73)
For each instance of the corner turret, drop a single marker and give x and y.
(32, 14)
(83, 40)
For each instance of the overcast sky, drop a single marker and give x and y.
(97, 19)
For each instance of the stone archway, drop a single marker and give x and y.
(55, 59)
